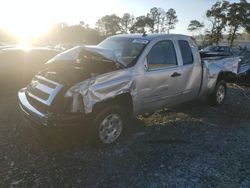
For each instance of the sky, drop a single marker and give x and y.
(29, 18)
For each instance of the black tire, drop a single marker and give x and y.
(218, 96)
(99, 128)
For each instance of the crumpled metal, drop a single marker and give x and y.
(104, 87)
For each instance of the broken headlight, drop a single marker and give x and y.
(77, 89)
(75, 93)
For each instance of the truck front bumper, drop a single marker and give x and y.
(45, 119)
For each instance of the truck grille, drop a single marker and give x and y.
(43, 90)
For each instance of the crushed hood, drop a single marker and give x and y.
(73, 54)
(80, 63)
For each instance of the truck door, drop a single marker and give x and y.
(162, 81)
(190, 69)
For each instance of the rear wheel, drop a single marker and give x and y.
(218, 96)
(108, 124)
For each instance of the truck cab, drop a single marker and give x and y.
(171, 73)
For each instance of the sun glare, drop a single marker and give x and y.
(24, 45)
(28, 19)
(25, 34)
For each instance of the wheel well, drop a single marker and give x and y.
(226, 76)
(123, 100)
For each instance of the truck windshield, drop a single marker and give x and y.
(126, 50)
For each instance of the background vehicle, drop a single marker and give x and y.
(244, 77)
(123, 76)
(218, 50)
(18, 65)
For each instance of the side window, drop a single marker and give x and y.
(227, 49)
(186, 52)
(221, 49)
(162, 55)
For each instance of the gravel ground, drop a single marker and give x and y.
(193, 145)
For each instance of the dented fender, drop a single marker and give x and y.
(107, 86)
(214, 67)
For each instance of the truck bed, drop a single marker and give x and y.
(228, 64)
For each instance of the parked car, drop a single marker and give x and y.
(123, 76)
(244, 76)
(18, 66)
(217, 50)
(236, 51)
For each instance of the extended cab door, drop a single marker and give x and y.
(162, 81)
(190, 69)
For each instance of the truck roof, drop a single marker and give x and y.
(150, 36)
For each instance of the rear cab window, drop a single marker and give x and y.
(186, 52)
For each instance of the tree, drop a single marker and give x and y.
(170, 20)
(246, 23)
(109, 25)
(142, 24)
(217, 15)
(238, 17)
(127, 21)
(196, 27)
(156, 15)
(82, 23)
(248, 30)
(70, 34)
(235, 19)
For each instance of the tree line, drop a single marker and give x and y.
(156, 21)
(224, 18)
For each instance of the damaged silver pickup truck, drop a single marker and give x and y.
(125, 75)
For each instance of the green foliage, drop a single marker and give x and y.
(109, 25)
(127, 21)
(156, 14)
(195, 26)
(76, 34)
(142, 24)
(156, 21)
(217, 15)
(223, 15)
(171, 20)
(246, 12)
(228, 16)
(238, 17)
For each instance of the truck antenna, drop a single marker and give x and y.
(144, 34)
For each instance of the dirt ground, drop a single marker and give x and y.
(193, 145)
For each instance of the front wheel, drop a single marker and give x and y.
(108, 124)
(218, 96)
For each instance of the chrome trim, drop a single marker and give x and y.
(29, 111)
(52, 92)
(24, 101)
(44, 88)
(47, 80)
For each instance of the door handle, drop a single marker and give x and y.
(175, 74)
